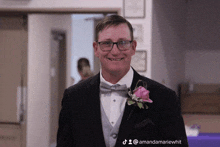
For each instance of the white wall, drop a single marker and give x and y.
(203, 45)
(64, 4)
(203, 25)
(203, 66)
(38, 107)
(168, 43)
(202, 54)
(146, 44)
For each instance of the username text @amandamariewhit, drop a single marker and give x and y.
(143, 142)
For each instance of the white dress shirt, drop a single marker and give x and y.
(114, 104)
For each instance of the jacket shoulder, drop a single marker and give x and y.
(160, 94)
(84, 85)
(154, 85)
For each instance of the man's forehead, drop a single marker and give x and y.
(121, 31)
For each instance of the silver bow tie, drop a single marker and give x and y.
(120, 89)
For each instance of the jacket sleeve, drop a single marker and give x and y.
(172, 125)
(65, 132)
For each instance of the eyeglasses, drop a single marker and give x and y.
(108, 45)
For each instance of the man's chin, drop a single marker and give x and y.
(117, 70)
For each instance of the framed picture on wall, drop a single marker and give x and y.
(139, 61)
(134, 8)
(138, 32)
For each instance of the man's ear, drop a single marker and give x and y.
(95, 47)
(134, 45)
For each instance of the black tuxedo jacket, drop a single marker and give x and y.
(160, 125)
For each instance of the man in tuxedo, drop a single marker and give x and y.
(95, 112)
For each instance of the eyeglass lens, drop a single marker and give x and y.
(108, 45)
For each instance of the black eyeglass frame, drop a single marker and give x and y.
(113, 43)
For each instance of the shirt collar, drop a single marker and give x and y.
(127, 79)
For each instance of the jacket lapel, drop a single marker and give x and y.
(96, 111)
(129, 116)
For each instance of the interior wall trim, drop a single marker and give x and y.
(19, 11)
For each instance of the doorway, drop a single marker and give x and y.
(13, 80)
(57, 78)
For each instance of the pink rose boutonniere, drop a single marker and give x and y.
(139, 96)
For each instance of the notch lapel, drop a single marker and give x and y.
(129, 116)
(96, 111)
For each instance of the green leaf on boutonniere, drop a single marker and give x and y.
(146, 107)
(140, 105)
(130, 102)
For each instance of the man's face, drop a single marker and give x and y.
(115, 61)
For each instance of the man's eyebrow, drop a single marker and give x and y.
(106, 40)
(119, 39)
(124, 39)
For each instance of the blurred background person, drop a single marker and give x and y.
(72, 80)
(84, 70)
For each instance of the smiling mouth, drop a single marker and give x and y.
(115, 59)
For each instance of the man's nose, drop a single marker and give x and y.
(115, 49)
